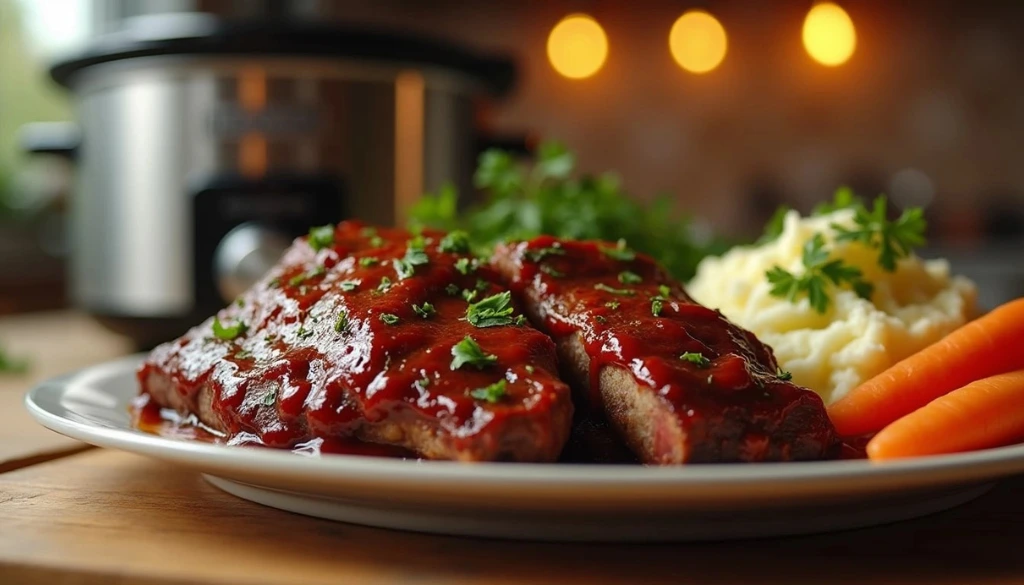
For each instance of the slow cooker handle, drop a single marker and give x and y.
(58, 138)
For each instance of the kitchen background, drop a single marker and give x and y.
(922, 100)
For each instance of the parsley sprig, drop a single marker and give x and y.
(228, 332)
(492, 393)
(469, 353)
(893, 239)
(493, 311)
(818, 273)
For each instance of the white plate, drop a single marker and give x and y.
(535, 501)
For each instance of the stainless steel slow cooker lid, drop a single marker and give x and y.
(203, 34)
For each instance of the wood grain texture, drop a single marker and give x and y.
(110, 517)
(54, 344)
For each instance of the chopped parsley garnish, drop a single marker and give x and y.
(385, 284)
(423, 382)
(414, 256)
(784, 375)
(520, 320)
(627, 277)
(376, 242)
(893, 239)
(452, 289)
(656, 307)
(425, 310)
(366, 261)
(481, 285)
(456, 242)
(665, 291)
(492, 393)
(540, 253)
(493, 311)
(269, 397)
(243, 354)
(620, 252)
(696, 358)
(230, 332)
(615, 291)
(819, 271)
(388, 318)
(551, 271)
(529, 369)
(613, 305)
(469, 352)
(773, 229)
(843, 199)
(600, 319)
(465, 265)
(300, 278)
(321, 237)
(240, 302)
(348, 285)
(303, 332)
(468, 295)
(368, 231)
(274, 283)
(341, 322)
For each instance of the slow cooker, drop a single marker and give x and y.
(208, 145)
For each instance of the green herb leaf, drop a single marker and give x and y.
(493, 311)
(620, 252)
(367, 261)
(465, 265)
(243, 354)
(482, 285)
(665, 291)
(341, 322)
(784, 375)
(452, 289)
(627, 277)
(348, 285)
(696, 358)
(819, 272)
(492, 393)
(656, 307)
(456, 242)
(368, 231)
(376, 242)
(615, 291)
(468, 352)
(406, 266)
(774, 227)
(425, 310)
(269, 398)
(321, 237)
(11, 365)
(842, 199)
(228, 333)
(551, 271)
(529, 369)
(893, 239)
(613, 305)
(538, 254)
(389, 318)
(385, 284)
(240, 302)
(469, 295)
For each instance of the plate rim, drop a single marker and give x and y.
(989, 463)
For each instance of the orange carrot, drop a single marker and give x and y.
(983, 414)
(992, 344)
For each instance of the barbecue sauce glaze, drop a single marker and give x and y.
(630, 313)
(330, 341)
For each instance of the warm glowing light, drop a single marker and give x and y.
(829, 35)
(697, 41)
(577, 46)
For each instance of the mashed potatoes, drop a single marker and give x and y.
(833, 352)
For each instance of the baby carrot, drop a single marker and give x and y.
(983, 414)
(992, 344)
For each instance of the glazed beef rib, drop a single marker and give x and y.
(375, 335)
(678, 381)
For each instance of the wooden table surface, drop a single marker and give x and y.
(99, 516)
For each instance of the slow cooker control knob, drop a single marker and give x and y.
(244, 255)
